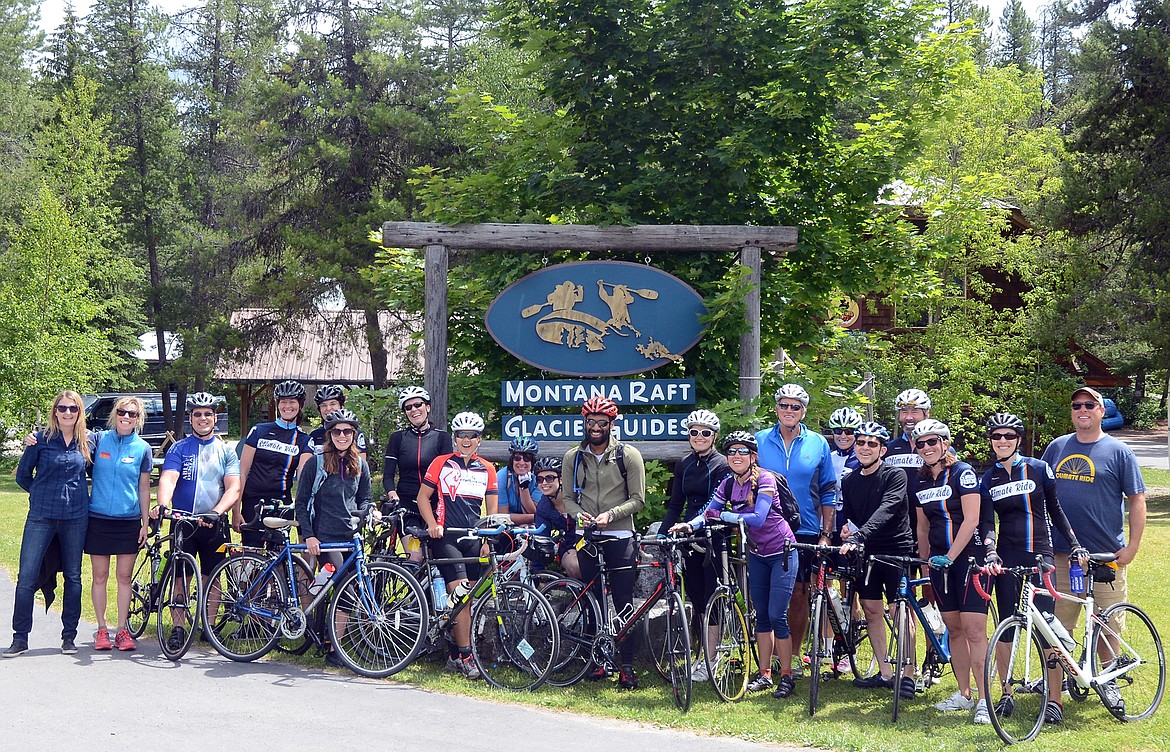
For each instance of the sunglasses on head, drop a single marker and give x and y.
(1003, 437)
(869, 443)
(1089, 405)
(466, 435)
(126, 413)
(923, 443)
(412, 407)
(742, 451)
(68, 408)
(846, 431)
(597, 422)
(341, 431)
(789, 407)
(542, 479)
(706, 433)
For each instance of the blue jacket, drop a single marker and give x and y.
(808, 468)
(117, 466)
(55, 477)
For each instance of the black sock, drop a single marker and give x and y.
(465, 653)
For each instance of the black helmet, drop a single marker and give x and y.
(1005, 420)
(341, 416)
(740, 437)
(290, 390)
(330, 392)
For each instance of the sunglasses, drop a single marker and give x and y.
(932, 441)
(126, 413)
(789, 407)
(706, 433)
(1003, 437)
(203, 414)
(1090, 405)
(466, 435)
(68, 408)
(597, 423)
(522, 458)
(412, 408)
(542, 479)
(869, 443)
(743, 451)
(846, 431)
(341, 431)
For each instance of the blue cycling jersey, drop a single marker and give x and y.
(202, 465)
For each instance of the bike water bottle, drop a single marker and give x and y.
(438, 589)
(1076, 577)
(836, 611)
(1061, 633)
(162, 565)
(322, 577)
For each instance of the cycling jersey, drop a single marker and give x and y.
(274, 464)
(1024, 499)
(767, 530)
(876, 505)
(695, 479)
(843, 464)
(202, 465)
(808, 468)
(317, 440)
(118, 465)
(460, 488)
(408, 455)
(940, 499)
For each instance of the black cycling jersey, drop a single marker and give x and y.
(317, 440)
(876, 505)
(695, 479)
(940, 499)
(408, 455)
(274, 465)
(1024, 499)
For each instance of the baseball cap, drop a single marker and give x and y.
(1091, 392)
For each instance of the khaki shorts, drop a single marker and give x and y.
(1105, 594)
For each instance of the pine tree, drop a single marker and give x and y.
(1017, 37)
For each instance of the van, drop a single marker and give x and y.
(99, 406)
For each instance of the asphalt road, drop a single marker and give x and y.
(1149, 446)
(127, 701)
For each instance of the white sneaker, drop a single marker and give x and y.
(956, 702)
(699, 671)
(844, 666)
(982, 717)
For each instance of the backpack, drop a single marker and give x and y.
(784, 502)
(619, 458)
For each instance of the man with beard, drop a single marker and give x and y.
(608, 488)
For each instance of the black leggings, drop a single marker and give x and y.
(620, 558)
(699, 582)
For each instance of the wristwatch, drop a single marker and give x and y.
(826, 534)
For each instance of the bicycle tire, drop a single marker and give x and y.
(180, 605)
(863, 659)
(1024, 671)
(304, 579)
(378, 623)
(900, 645)
(816, 623)
(729, 669)
(514, 637)
(654, 637)
(578, 617)
(1139, 646)
(143, 590)
(236, 588)
(678, 651)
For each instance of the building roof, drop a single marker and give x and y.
(328, 347)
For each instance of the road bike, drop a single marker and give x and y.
(728, 637)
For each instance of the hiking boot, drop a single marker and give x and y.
(123, 641)
(101, 640)
(760, 683)
(627, 679)
(785, 687)
(16, 648)
(176, 640)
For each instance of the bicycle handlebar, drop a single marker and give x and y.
(1044, 570)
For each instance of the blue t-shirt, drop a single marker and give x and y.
(1092, 481)
(274, 465)
(202, 466)
(808, 468)
(118, 466)
(509, 500)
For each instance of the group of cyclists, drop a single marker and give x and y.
(863, 489)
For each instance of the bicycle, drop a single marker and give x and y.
(514, 634)
(1121, 657)
(376, 617)
(144, 583)
(848, 636)
(728, 638)
(175, 587)
(590, 634)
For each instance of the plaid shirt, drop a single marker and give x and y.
(55, 477)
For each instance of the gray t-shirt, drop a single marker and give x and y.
(1092, 481)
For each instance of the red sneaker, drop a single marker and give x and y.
(101, 640)
(124, 641)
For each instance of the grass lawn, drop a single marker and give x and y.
(847, 719)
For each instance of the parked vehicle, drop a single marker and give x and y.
(1113, 417)
(99, 406)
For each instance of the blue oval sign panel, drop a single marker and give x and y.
(597, 318)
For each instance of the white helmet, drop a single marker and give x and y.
(845, 417)
(410, 393)
(912, 398)
(467, 422)
(792, 391)
(702, 418)
(931, 427)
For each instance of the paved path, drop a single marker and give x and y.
(126, 701)
(1149, 446)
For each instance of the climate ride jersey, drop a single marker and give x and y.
(940, 499)
(274, 466)
(1025, 501)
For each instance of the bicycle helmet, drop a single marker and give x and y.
(410, 392)
(701, 418)
(290, 390)
(599, 405)
(524, 445)
(874, 429)
(341, 416)
(740, 437)
(201, 399)
(1005, 420)
(330, 392)
(467, 422)
(792, 391)
(912, 398)
(845, 417)
(931, 427)
(547, 463)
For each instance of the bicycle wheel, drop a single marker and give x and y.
(577, 615)
(1126, 638)
(180, 603)
(863, 661)
(243, 605)
(514, 637)
(818, 617)
(141, 595)
(1020, 668)
(726, 646)
(378, 622)
(678, 651)
(654, 637)
(315, 621)
(901, 648)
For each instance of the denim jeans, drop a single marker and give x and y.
(771, 587)
(38, 532)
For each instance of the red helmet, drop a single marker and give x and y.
(600, 405)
